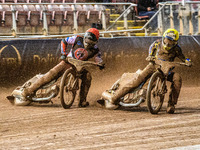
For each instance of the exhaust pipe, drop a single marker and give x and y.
(44, 98)
(132, 105)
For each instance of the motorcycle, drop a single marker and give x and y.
(157, 87)
(66, 84)
(153, 93)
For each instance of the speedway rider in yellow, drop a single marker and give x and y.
(165, 49)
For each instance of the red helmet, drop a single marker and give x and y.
(92, 34)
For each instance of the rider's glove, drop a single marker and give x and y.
(63, 57)
(102, 66)
(188, 62)
(150, 58)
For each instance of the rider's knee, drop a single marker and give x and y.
(87, 76)
(177, 78)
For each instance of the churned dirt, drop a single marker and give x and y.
(49, 126)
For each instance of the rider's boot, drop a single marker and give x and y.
(170, 108)
(109, 102)
(85, 86)
(49, 76)
(84, 104)
(109, 105)
(112, 98)
(25, 93)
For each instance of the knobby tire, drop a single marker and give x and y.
(65, 85)
(149, 97)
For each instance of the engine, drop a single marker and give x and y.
(48, 91)
(133, 97)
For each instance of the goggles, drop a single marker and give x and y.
(168, 44)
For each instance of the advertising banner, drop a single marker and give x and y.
(22, 59)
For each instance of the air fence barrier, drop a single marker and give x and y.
(22, 59)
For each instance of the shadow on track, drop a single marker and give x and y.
(187, 110)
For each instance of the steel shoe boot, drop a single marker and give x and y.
(170, 109)
(109, 105)
(25, 93)
(84, 104)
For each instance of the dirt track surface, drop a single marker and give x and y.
(49, 126)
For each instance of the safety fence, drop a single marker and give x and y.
(21, 59)
(183, 17)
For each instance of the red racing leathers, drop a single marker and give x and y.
(70, 47)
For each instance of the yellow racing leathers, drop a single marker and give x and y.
(156, 50)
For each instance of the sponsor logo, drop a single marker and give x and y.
(16, 60)
(45, 60)
(81, 54)
(10, 56)
(71, 40)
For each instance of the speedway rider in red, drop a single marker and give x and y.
(82, 48)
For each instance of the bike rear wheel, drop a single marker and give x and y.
(68, 88)
(155, 92)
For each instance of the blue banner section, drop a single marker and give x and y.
(21, 59)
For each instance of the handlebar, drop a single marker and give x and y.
(79, 64)
(166, 66)
(159, 62)
(180, 63)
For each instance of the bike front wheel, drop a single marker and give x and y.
(68, 88)
(155, 92)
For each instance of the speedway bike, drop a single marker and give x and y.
(65, 86)
(70, 81)
(151, 91)
(157, 87)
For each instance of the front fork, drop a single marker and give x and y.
(162, 90)
(73, 84)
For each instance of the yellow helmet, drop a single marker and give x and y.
(170, 35)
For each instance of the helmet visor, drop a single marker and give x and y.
(168, 44)
(90, 36)
(88, 43)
